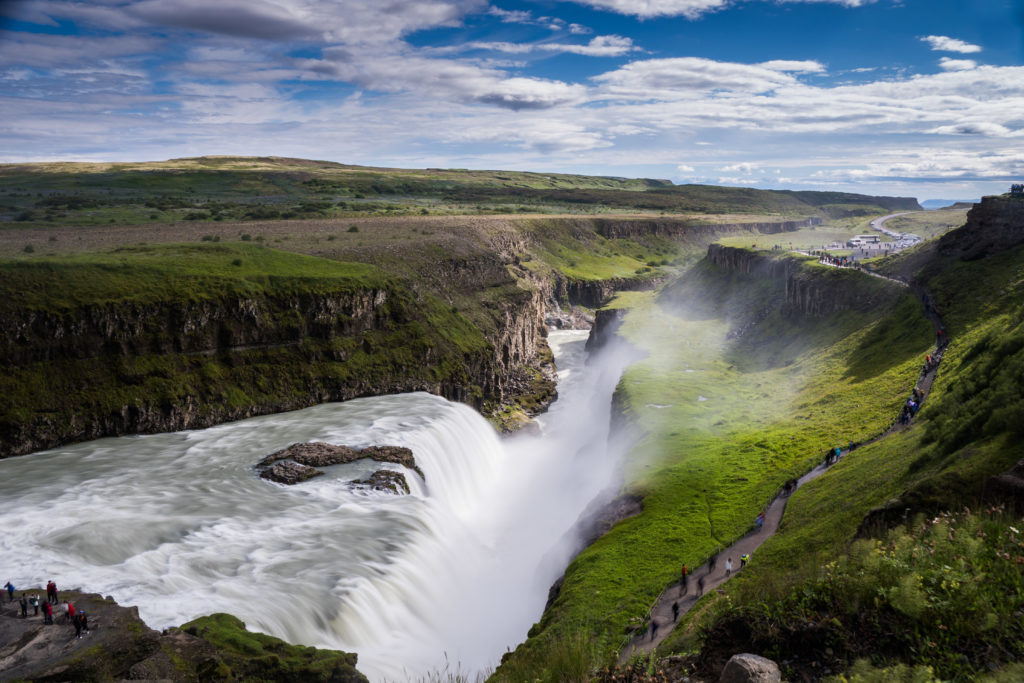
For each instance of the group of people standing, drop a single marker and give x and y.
(77, 618)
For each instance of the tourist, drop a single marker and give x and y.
(24, 606)
(684, 586)
(759, 520)
(64, 611)
(675, 612)
(47, 613)
(71, 612)
(34, 601)
(744, 558)
(654, 627)
(10, 591)
(700, 585)
(77, 621)
(51, 592)
(712, 562)
(728, 566)
(85, 621)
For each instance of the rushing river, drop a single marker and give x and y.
(179, 525)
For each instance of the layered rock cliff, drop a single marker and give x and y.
(993, 225)
(809, 290)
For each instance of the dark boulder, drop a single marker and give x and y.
(288, 472)
(299, 461)
(385, 480)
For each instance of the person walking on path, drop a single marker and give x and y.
(78, 626)
(23, 603)
(744, 558)
(712, 562)
(85, 621)
(34, 601)
(728, 566)
(71, 612)
(654, 627)
(47, 613)
(684, 586)
(675, 612)
(51, 592)
(10, 591)
(700, 585)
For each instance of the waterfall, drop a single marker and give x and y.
(180, 525)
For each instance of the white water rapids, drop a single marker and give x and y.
(179, 524)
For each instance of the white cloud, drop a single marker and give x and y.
(746, 167)
(682, 77)
(683, 168)
(691, 9)
(599, 46)
(947, 44)
(957, 64)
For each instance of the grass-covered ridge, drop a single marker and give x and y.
(967, 431)
(209, 189)
(175, 272)
(723, 435)
(246, 656)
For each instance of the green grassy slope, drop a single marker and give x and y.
(810, 578)
(727, 421)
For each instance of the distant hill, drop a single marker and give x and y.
(947, 203)
(268, 188)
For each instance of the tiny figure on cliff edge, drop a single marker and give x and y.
(10, 591)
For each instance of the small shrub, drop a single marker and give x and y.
(331, 238)
(237, 262)
(28, 249)
(246, 237)
(354, 228)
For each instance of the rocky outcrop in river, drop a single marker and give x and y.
(300, 461)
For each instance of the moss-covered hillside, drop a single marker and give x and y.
(740, 392)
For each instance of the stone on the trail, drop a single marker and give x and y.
(288, 472)
(384, 480)
(749, 668)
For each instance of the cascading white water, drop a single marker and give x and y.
(179, 525)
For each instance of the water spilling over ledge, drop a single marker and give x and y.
(180, 525)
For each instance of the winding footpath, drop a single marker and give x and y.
(713, 572)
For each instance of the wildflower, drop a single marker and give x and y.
(1014, 530)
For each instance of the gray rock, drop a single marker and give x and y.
(319, 454)
(288, 472)
(385, 480)
(748, 668)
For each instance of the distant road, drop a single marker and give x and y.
(878, 223)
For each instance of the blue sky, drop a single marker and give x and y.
(905, 97)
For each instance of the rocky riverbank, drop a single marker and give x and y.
(119, 646)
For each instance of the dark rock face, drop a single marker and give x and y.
(996, 224)
(289, 472)
(299, 461)
(606, 323)
(385, 480)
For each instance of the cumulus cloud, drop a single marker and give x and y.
(957, 64)
(947, 44)
(599, 46)
(691, 9)
(683, 168)
(742, 167)
(681, 77)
